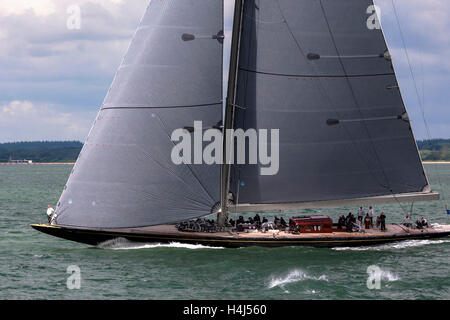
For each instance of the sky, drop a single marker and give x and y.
(54, 72)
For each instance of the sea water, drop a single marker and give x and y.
(37, 266)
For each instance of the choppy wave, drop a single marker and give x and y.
(292, 277)
(394, 245)
(124, 244)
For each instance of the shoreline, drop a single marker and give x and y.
(436, 162)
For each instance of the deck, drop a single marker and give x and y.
(391, 230)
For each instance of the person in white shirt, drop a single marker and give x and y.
(371, 216)
(50, 214)
(361, 215)
(407, 221)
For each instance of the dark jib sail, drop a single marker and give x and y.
(320, 72)
(171, 76)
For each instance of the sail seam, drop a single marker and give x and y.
(163, 107)
(318, 76)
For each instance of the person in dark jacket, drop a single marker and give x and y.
(341, 222)
(283, 223)
(349, 224)
(276, 221)
(257, 220)
(383, 221)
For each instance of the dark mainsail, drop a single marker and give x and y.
(170, 77)
(320, 72)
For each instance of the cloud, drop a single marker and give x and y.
(65, 71)
(416, 33)
(18, 7)
(43, 61)
(23, 121)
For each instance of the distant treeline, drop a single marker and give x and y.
(67, 151)
(42, 151)
(435, 149)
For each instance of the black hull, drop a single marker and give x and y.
(95, 237)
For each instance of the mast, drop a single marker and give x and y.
(229, 112)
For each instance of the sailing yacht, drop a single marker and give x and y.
(319, 71)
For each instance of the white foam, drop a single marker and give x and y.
(394, 245)
(386, 275)
(124, 244)
(293, 276)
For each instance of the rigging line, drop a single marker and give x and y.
(421, 103)
(189, 167)
(236, 202)
(321, 87)
(356, 102)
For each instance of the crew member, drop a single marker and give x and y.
(349, 224)
(351, 217)
(378, 221)
(341, 222)
(424, 222)
(283, 223)
(361, 214)
(257, 220)
(407, 221)
(371, 216)
(383, 221)
(50, 212)
(276, 221)
(367, 221)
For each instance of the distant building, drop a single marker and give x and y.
(22, 161)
